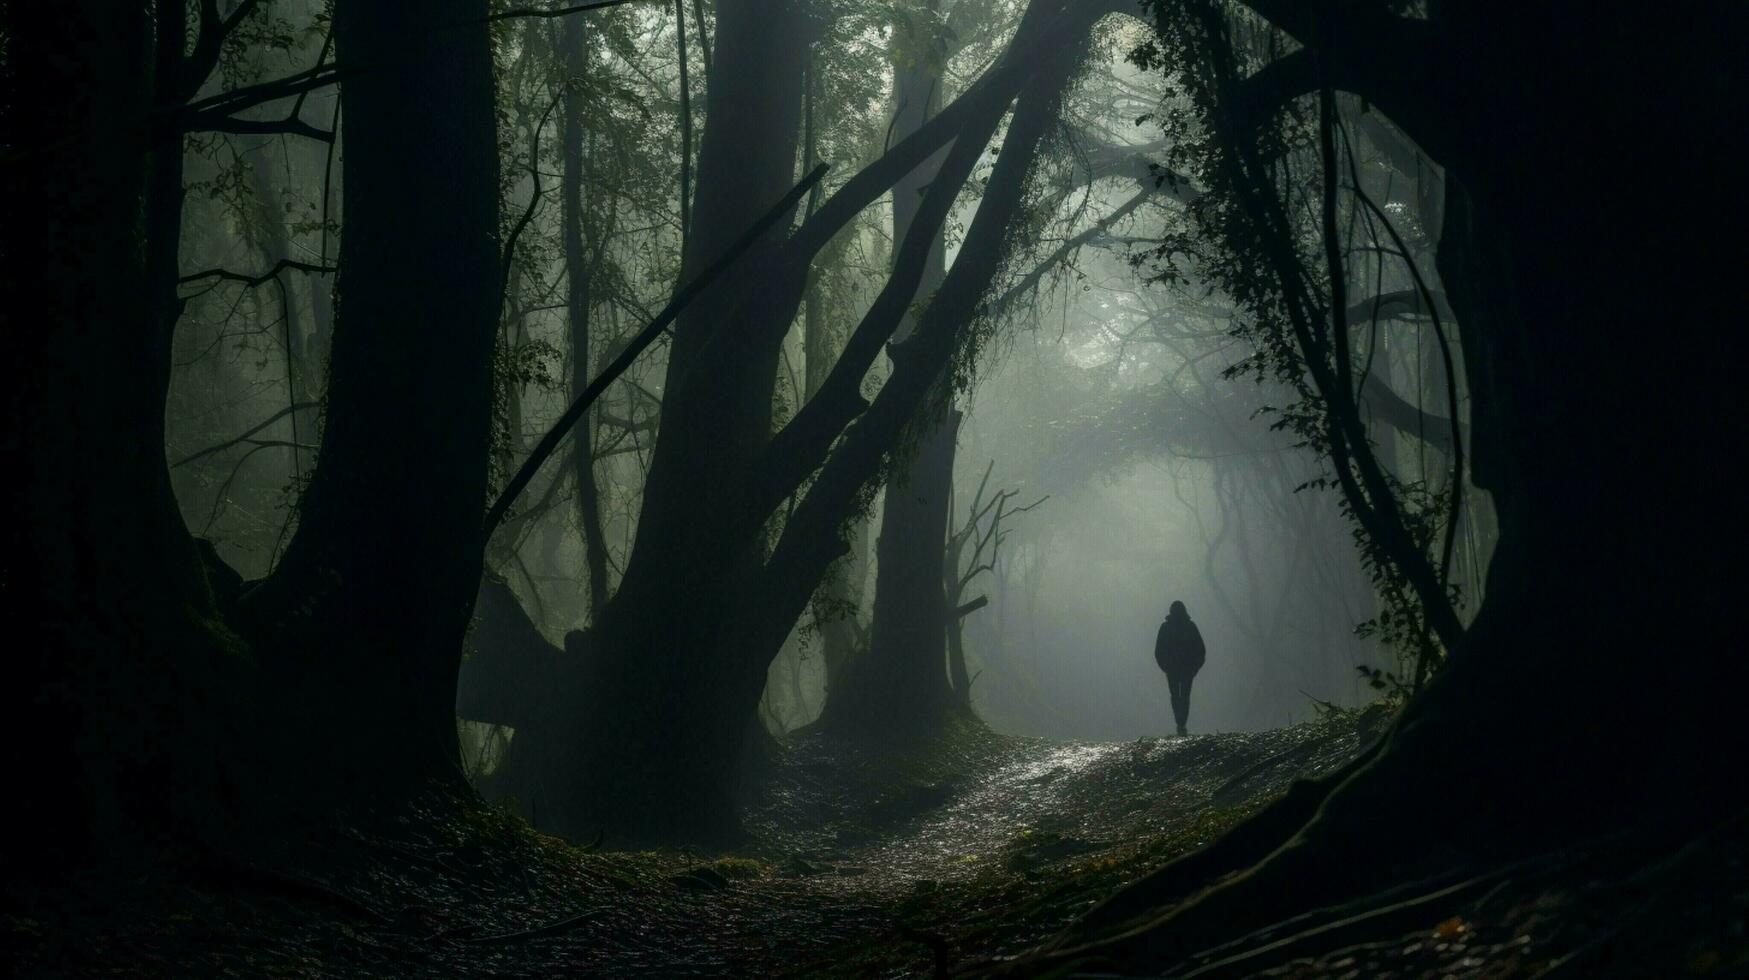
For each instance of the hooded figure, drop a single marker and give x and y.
(1179, 651)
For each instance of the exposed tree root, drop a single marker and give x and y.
(1344, 846)
(549, 929)
(1243, 847)
(1378, 917)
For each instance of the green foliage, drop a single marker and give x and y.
(1252, 235)
(533, 363)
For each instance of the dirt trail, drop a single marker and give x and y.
(946, 818)
(991, 844)
(860, 861)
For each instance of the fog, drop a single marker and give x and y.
(830, 488)
(1111, 398)
(1127, 520)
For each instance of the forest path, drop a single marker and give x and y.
(862, 860)
(894, 816)
(884, 856)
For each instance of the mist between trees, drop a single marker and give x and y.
(1083, 381)
(1096, 306)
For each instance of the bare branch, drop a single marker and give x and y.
(249, 96)
(291, 126)
(246, 437)
(684, 297)
(557, 11)
(214, 31)
(969, 608)
(533, 201)
(249, 281)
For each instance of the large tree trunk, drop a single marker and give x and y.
(361, 624)
(673, 670)
(900, 683)
(632, 759)
(120, 670)
(1595, 691)
(574, 49)
(840, 596)
(812, 537)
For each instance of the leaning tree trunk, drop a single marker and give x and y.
(838, 603)
(672, 672)
(631, 759)
(362, 622)
(812, 536)
(1595, 691)
(900, 683)
(574, 50)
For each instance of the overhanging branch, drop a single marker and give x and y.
(247, 436)
(684, 297)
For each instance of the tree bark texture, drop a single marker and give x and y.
(362, 622)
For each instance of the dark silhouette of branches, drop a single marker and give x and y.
(533, 201)
(246, 437)
(289, 126)
(202, 112)
(227, 275)
(208, 43)
(981, 534)
(1061, 254)
(1457, 441)
(683, 298)
(236, 468)
(556, 11)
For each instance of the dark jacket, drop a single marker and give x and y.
(1178, 648)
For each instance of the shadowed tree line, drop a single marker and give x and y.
(1330, 172)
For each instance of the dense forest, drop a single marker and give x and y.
(744, 487)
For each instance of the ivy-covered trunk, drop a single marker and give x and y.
(1595, 691)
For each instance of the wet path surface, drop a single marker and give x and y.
(861, 861)
(916, 847)
(992, 794)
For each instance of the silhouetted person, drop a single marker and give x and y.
(1179, 651)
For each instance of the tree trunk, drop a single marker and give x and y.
(900, 682)
(574, 49)
(120, 669)
(959, 679)
(361, 625)
(676, 664)
(632, 760)
(1589, 696)
(812, 538)
(900, 685)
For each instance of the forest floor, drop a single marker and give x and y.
(859, 862)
